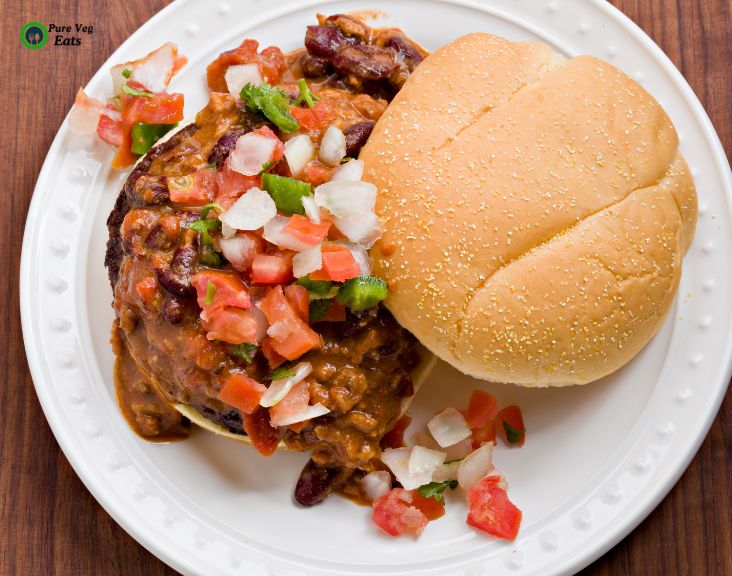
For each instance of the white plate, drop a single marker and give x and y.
(597, 459)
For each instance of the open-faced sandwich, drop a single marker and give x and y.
(238, 257)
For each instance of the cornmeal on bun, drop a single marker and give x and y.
(537, 211)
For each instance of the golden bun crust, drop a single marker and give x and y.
(537, 211)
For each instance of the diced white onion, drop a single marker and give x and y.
(262, 323)
(460, 449)
(252, 151)
(118, 78)
(397, 459)
(240, 75)
(307, 413)
(364, 229)
(345, 198)
(84, 115)
(475, 466)
(251, 211)
(448, 427)
(446, 472)
(227, 231)
(312, 210)
(298, 152)
(155, 70)
(273, 233)
(239, 251)
(350, 171)
(376, 484)
(307, 261)
(332, 146)
(425, 461)
(279, 388)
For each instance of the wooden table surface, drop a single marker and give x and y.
(50, 524)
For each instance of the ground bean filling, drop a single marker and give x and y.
(361, 370)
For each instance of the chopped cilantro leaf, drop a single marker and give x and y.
(204, 227)
(132, 92)
(244, 351)
(453, 461)
(319, 309)
(281, 372)
(435, 489)
(210, 293)
(513, 435)
(208, 207)
(306, 95)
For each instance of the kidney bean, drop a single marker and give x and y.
(396, 40)
(176, 278)
(314, 484)
(324, 41)
(356, 136)
(185, 257)
(223, 147)
(173, 310)
(351, 27)
(149, 189)
(174, 282)
(157, 239)
(314, 66)
(367, 62)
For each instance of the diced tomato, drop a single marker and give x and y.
(147, 290)
(482, 408)
(230, 325)
(272, 268)
(296, 336)
(316, 173)
(294, 402)
(273, 359)
(231, 185)
(298, 297)
(264, 438)
(242, 392)
(160, 108)
(196, 189)
(394, 438)
(338, 264)
(124, 156)
(110, 130)
(395, 514)
(180, 61)
(490, 510)
(510, 425)
(481, 417)
(430, 507)
(306, 230)
(485, 434)
(228, 290)
(271, 62)
(315, 118)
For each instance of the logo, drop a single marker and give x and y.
(34, 35)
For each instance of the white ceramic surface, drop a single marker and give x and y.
(597, 459)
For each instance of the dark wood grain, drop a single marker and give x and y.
(50, 524)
